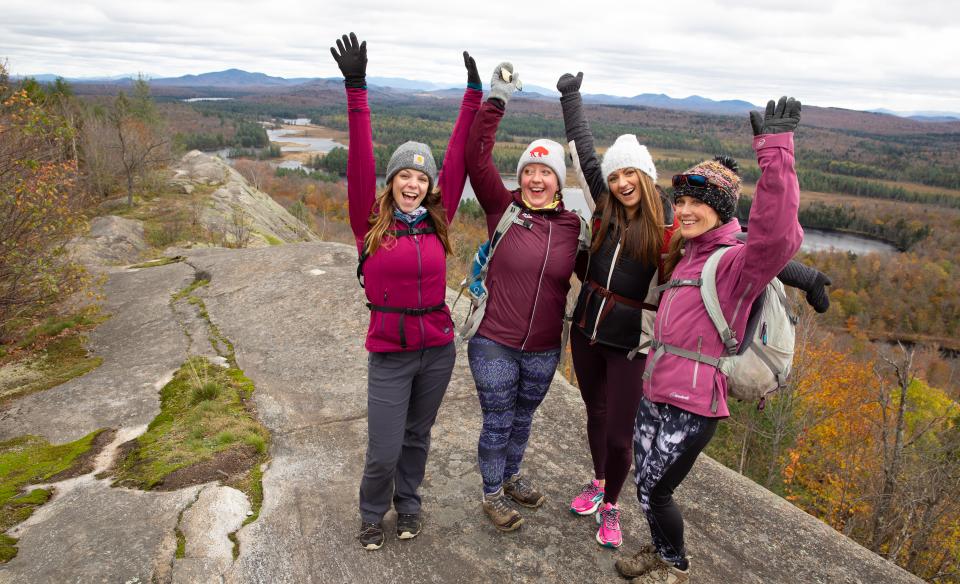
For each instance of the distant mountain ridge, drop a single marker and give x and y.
(237, 79)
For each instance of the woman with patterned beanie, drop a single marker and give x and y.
(402, 237)
(632, 227)
(684, 397)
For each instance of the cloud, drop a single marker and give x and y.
(850, 53)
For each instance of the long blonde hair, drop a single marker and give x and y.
(644, 238)
(382, 220)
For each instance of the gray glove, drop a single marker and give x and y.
(779, 118)
(568, 84)
(501, 88)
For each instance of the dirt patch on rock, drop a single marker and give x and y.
(84, 464)
(225, 466)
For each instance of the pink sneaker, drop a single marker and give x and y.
(609, 534)
(589, 499)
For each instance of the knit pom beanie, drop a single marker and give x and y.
(722, 189)
(545, 152)
(627, 152)
(413, 155)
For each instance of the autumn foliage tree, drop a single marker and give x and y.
(40, 207)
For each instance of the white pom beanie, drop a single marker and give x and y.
(545, 152)
(627, 152)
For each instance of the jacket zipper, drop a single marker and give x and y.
(696, 364)
(673, 294)
(423, 335)
(603, 301)
(536, 298)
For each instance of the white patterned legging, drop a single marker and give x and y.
(666, 442)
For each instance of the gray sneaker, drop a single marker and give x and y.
(501, 514)
(518, 489)
(644, 560)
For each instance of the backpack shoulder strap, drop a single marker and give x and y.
(508, 218)
(711, 300)
(586, 234)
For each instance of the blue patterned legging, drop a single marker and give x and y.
(666, 442)
(511, 385)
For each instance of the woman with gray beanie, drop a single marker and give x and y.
(516, 348)
(401, 236)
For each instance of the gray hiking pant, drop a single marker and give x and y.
(404, 391)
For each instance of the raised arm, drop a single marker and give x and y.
(775, 232)
(580, 137)
(484, 176)
(351, 57)
(453, 175)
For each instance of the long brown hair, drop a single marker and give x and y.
(643, 237)
(382, 220)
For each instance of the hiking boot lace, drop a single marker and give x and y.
(500, 504)
(368, 529)
(522, 488)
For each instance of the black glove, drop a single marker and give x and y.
(473, 78)
(568, 84)
(818, 297)
(812, 281)
(352, 60)
(779, 118)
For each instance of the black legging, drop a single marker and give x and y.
(611, 386)
(666, 443)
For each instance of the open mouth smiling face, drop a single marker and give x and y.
(409, 189)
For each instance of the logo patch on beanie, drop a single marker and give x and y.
(539, 152)
(418, 159)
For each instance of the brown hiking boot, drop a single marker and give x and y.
(501, 514)
(518, 489)
(665, 574)
(644, 560)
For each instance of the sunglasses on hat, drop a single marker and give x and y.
(693, 180)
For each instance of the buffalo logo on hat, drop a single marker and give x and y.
(418, 159)
(539, 152)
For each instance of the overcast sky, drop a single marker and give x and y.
(858, 54)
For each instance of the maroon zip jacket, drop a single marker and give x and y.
(529, 276)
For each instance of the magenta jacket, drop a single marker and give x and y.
(529, 276)
(409, 271)
(682, 320)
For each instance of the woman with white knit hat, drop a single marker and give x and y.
(631, 223)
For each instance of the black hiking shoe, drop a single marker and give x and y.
(370, 535)
(408, 525)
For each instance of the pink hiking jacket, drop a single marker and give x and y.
(743, 273)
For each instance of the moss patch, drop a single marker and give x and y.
(200, 434)
(159, 262)
(49, 354)
(27, 460)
